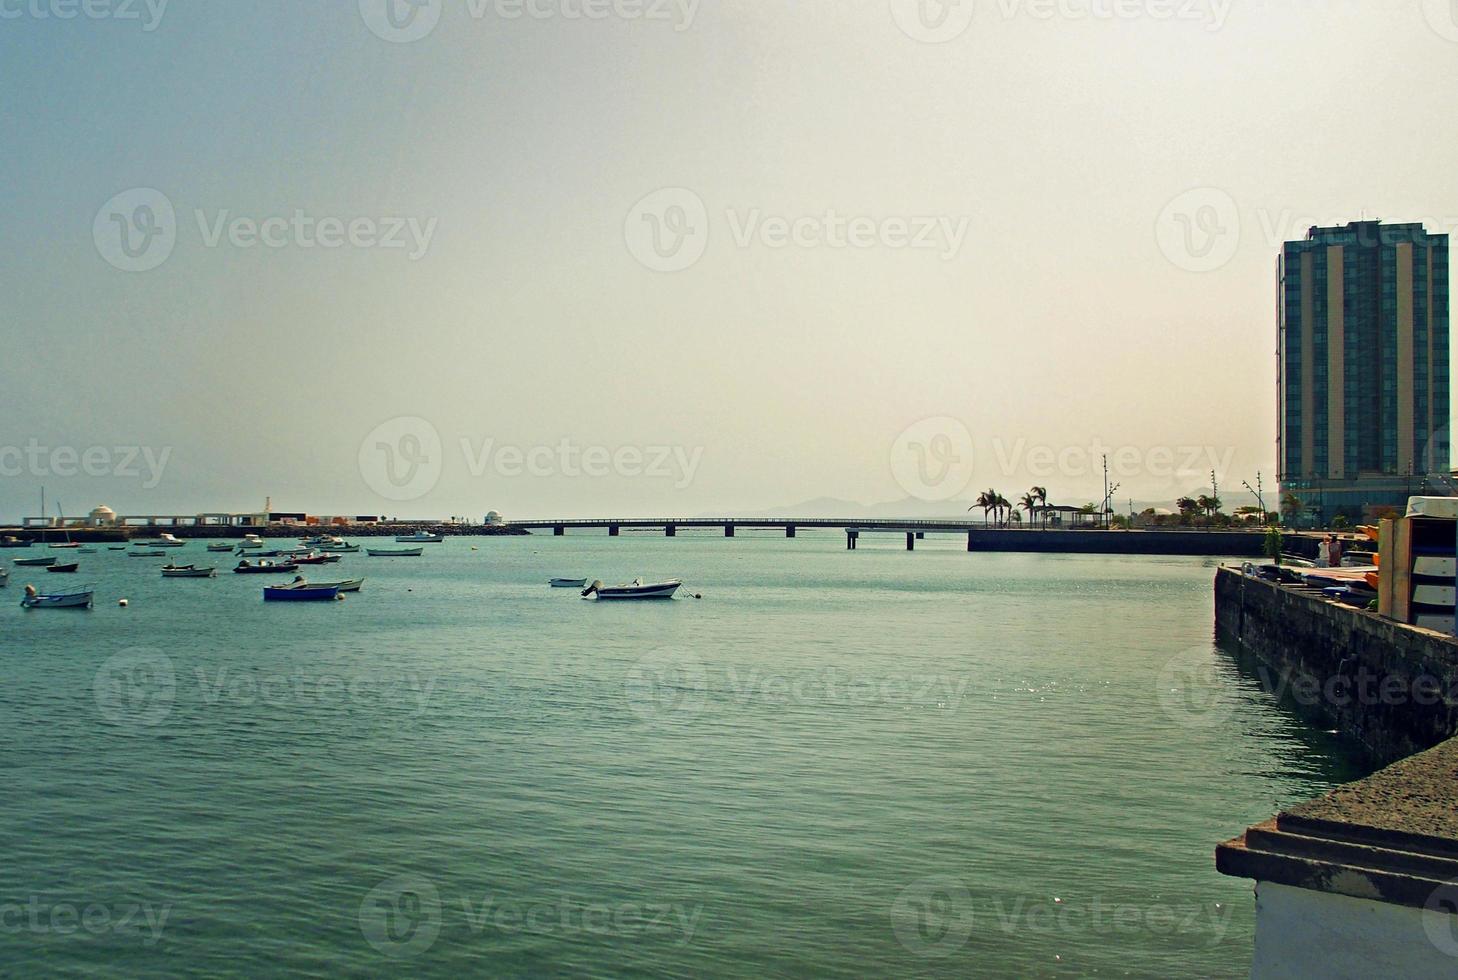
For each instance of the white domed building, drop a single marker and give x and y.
(494, 519)
(102, 516)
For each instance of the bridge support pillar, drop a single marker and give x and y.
(921, 535)
(670, 531)
(790, 531)
(613, 530)
(851, 539)
(910, 541)
(728, 530)
(559, 531)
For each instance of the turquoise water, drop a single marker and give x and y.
(834, 764)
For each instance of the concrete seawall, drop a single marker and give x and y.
(1244, 544)
(1391, 687)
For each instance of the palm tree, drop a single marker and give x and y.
(1029, 503)
(1291, 506)
(1002, 508)
(984, 500)
(1042, 494)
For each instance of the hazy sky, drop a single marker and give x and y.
(793, 245)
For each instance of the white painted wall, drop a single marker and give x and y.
(1311, 935)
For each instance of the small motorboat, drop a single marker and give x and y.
(396, 552)
(250, 542)
(420, 537)
(4, 577)
(323, 542)
(352, 585)
(221, 548)
(87, 551)
(188, 571)
(34, 562)
(569, 583)
(56, 600)
(301, 592)
(341, 548)
(67, 569)
(11, 541)
(166, 540)
(637, 590)
(116, 547)
(246, 567)
(68, 546)
(311, 558)
(146, 554)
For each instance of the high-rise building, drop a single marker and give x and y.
(1364, 376)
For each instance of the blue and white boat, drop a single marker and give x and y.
(301, 592)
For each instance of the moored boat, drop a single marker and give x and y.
(313, 559)
(246, 567)
(301, 592)
(420, 537)
(396, 552)
(67, 569)
(11, 541)
(34, 562)
(67, 546)
(4, 577)
(250, 542)
(188, 571)
(56, 600)
(342, 548)
(221, 548)
(146, 554)
(569, 583)
(165, 540)
(637, 590)
(350, 585)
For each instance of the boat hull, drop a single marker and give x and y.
(34, 562)
(420, 539)
(189, 572)
(265, 569)
(353, 585)
(75, 600)
(569, 583)
(635, 593)
(311, 593)
(67, 569)
(400, 553)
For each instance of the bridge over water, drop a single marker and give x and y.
(980, 537)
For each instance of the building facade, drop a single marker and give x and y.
(1364, 368)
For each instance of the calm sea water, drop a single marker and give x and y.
(834, 764)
